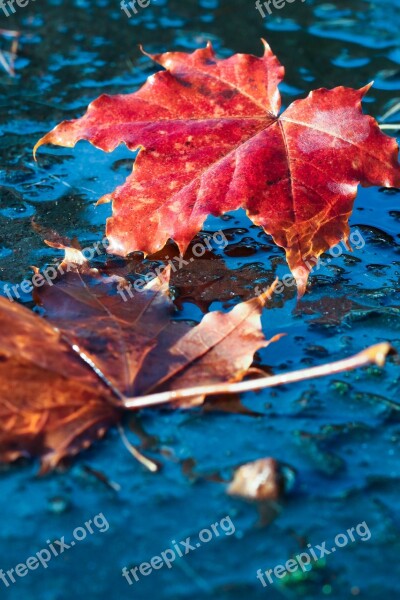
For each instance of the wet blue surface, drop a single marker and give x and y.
(340, 434)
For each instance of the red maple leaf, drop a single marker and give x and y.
(211, 141)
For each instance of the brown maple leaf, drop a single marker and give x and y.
(211, 140)
(63, 379)
(105, 347)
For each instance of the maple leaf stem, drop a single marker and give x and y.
(393, 126)
(146, 462)
(374, 354)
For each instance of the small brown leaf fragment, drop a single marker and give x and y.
(258, 480)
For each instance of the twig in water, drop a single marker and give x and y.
(374, 354)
